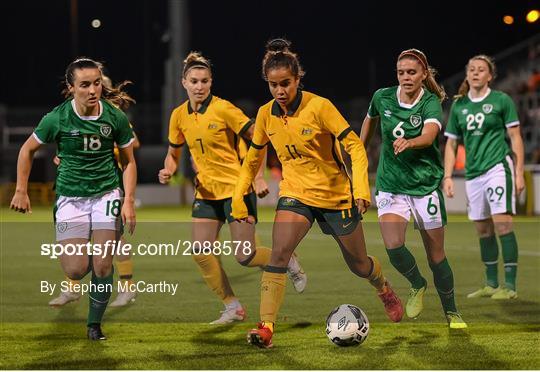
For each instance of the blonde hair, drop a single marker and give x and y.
(196, 60)
(464, 87)
(430, 83)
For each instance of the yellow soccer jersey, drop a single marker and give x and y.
(211, 135)
(306, 142)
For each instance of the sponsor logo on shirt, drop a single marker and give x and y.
(212, 126)
(74, 133)
(105, 130)
(387, 113)
(465, 111)
(306, 131)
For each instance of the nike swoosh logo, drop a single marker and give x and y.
(271, 134)
(346, 225)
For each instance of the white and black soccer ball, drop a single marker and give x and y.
(347, 325)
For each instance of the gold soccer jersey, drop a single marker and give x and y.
(306, 142)
(211, 134)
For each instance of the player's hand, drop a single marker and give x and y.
(520, 183)
(362, 205)
(400, 145)
(240, 211)
(21, 202)
(128, 216)
(164, 176)
(448, 186)
(56, 160)
(261, 187)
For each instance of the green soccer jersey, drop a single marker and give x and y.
(482, 123)
(85, 147)
(415, 172)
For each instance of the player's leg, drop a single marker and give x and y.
(504, 227)
(489, 252)
(348, 232)
(75, 267)
(430, 218)
(124, 267)
(479, 212)
(501, 195)
(106, 226)
(394, 214)
(72, 225)
(290, 227)
(257, 255)
(207, 230)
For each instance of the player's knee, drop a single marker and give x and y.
(76, 273)
(503, 228)
(102, 270)
(360, 267)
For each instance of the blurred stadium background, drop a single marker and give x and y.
(348, 51)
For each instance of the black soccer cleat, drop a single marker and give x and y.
(94, 333)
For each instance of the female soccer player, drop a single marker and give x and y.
(90, 202)
(211, 127)
(408, 177)
(305, 129)
(124, 264)
(482, 117)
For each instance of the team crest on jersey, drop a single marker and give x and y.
(306, 131)
(212, 126)
(61, 227)
(288, 202)
(487, 108)
(415, 120)
(105, 130)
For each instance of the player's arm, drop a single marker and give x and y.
(170, 165)
(129, 176)
(449, 163)
(368, 129)
(176, 140)
(20, 201)
(250, 168)
(259, 183)
(429, 134)
(516, 142)
(355, 148)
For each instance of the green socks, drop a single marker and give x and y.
(490, 254)
(100, 292)
(405, 263)
(444, 283)
(510, 257)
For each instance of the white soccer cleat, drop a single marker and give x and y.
(296, 274)
(64, 298)
(123, 299)
(235, 314)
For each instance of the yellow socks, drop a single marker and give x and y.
(273, 285)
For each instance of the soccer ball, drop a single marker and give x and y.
(347, 325)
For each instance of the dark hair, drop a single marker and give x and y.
(196, 60)
(464, 87)
(278, 55)
(430, 82)
(114, 94)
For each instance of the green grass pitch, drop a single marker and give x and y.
(160, 331)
